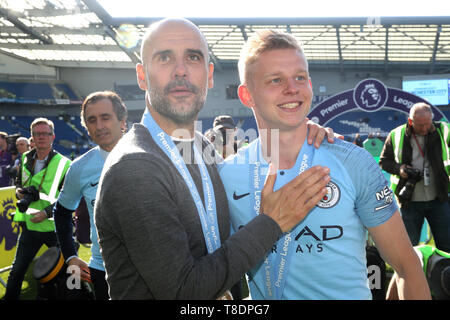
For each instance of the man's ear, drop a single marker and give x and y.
(410, 122)
(245, 96)
(210, 75)
(123, 126)
(141, 79)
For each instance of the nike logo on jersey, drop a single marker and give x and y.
(237, 197)
(94, 184)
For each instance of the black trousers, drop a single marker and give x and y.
(99, 283)
(28, 246)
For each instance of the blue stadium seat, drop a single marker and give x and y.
(67, 90)
(36, 93)
(25, 91)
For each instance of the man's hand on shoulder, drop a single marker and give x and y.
(317, 133)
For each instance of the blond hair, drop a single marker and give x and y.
(42, 121)
(260, 42)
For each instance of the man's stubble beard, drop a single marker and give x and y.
(163, 106)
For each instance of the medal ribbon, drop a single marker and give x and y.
(208, 216)
(276, 264)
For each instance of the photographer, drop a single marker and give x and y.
(5, 161)
(39, 181)
(417, 156)
(222, 135)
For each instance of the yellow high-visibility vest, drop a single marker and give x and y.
(397, 137)
(47, 182)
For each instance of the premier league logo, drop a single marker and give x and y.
(9, 230)
(370, 95)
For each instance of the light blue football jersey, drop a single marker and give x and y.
(82, 181)
(326, 258)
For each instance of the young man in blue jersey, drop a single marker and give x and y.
(104, 116)
(324, 256)
(161, 212)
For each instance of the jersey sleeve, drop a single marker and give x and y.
(375, 202)
(70, 194)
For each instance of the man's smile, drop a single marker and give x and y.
(290, 106)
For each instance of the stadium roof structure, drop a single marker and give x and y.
(76, 33)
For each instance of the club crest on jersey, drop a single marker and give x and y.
(332, 196)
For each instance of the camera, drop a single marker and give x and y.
(11, 171)
(414, 176)
(30, 194)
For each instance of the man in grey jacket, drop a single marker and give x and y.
(161, 212)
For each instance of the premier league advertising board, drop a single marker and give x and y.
(369, 95)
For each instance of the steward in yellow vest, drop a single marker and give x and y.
(417, 156)
(47, 182)
(42, 169)
(397, 151)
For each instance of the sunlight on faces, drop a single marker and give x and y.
(43, 136)
(422, 123)
(102, 123)
(176, 71)
(420, 118)
(22, 145)
(278, 89)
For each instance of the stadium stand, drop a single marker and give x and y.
(382, 121)
(72, 139)
(364, 122)
(37, 93)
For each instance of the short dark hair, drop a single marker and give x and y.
(119, 107)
